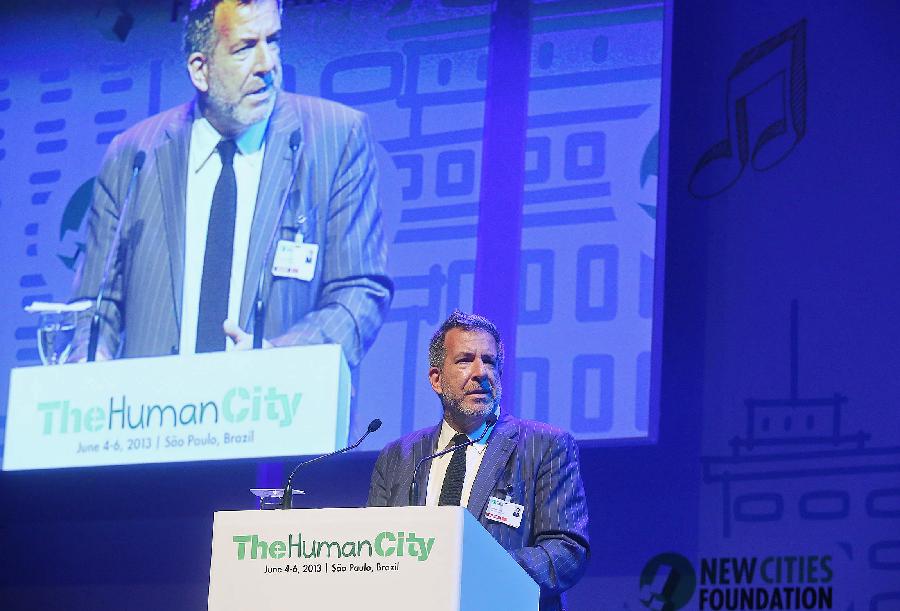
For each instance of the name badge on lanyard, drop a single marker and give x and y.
(505, 512)
(295, 259)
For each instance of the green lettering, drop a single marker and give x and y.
(291, 545)
(277, 549)
(187, 414)
(295, 404)
(277, 407)
(161, 410)
(258, 548)
(327, 545)
(256, 402)
(379, 548)
(93, 420)
(242, 541)
(48, 407)
(231, 414)
(426, 548)
(359, 547)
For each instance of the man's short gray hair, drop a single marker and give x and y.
(437, 350)
(199, 34)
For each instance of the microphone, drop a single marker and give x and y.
(414, 485)
(287, 500)
(259, 305)
(139, 159)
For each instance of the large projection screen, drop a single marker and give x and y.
(591, 243)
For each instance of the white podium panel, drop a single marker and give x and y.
(397, 558)
(220, 405)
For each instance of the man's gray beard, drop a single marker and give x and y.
(460, 407)
(235, 113)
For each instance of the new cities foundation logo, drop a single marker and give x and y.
(669, 581)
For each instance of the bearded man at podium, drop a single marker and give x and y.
(521, 479)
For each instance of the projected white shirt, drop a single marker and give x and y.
(204, 167)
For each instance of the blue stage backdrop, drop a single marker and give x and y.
(582, 320)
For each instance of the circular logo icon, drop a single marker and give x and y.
(668, 582)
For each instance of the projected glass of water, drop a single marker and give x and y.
(56, 330)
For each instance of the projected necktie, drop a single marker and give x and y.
(214, 287)
(451, 491)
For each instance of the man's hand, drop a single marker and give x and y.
(242, 340)
(102, 355)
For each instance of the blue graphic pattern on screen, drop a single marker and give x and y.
(588, 244)
(593, 111)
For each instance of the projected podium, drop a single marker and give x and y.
(397, 558)
(220, 405)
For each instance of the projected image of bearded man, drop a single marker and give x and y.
(242, 165)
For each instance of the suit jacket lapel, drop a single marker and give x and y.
(172, 169)
(425, 446)
(500, 446)
(276, 174)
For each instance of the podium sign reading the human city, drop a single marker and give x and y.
(223, 405)
(399, 558)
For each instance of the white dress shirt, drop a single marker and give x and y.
(474, 454)
(204, 167)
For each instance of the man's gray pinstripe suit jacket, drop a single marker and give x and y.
(538, 465)
(335, 189)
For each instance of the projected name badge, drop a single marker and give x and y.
(295, 260)
(505, 512)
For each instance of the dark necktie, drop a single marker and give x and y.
(216, 282)
(451, 491)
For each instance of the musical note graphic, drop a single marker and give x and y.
(779, 62)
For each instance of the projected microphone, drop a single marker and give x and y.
(139, 160)
(259, 304)
(414, 485)
(287, 500)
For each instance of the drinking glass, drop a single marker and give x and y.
(56, 330)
